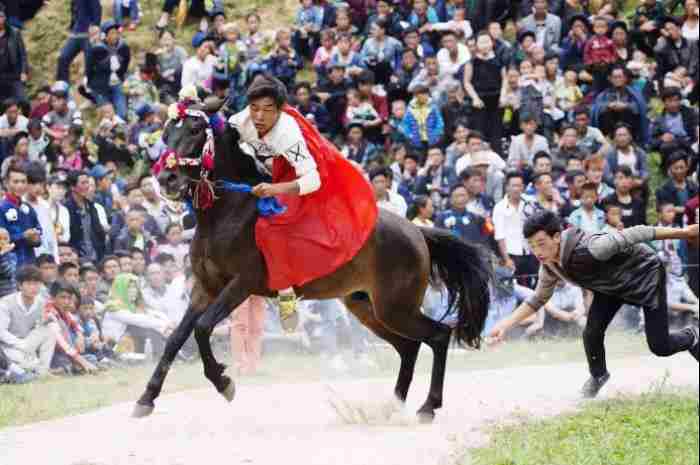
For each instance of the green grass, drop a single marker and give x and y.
(59, 396)
(654, 429)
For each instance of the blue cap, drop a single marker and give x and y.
(144, 110)
(108, 25)
(98, 172)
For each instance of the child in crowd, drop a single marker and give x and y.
(72, 158)
(599, 53)
(568, 93)
(360, 111)
(613, 218)
(588, 217)
(175, 246)
(232, 51)
(324, 54)
(95, 343)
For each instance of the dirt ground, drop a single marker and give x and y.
(295, 424)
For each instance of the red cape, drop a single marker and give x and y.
(322, 231)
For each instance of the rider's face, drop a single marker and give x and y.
(265, 114)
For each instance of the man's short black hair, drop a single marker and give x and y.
(676, 157)
(544, 220)
(573, 174)
(64, 267)
(108, 258)
(514, 174)
(266, 85)
(539, 155)
(624, 170)
(85, 269)
(475, 135)
(582, 110)
(19, 168)
(73, 178)
(44, 259)
(61, 286)
(469, 173)
(164, 258)
(28, 273)
(380, 171)
(671, 92)
(36, 173)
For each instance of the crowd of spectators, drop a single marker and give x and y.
(465, 115)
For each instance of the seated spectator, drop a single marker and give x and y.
(422, 125)
(385, 11)
(171, 58)
(674, 50)
(613, 218)
(422, 212)
(386, 199)
(96, 345)
(544, 197)
(140, 87)
(679, 189)
(175, 246)
(360, 111)
(59, 314)
(594, 166)
(332, 95)
(453, 55)
(357, 148)
(23, 334)
(89, 286)
(621, 104)
(566, 311)
(524, 146)
(126, 263)
(625, 153)
(575, 179)
(138, 261)
(307, 26)
(324, 54)
(12, 122)
(590, 139)
(164, 297)
(568, 146)
(87, 235)
(456, 109)
(39, 143)
(588, 217)
(343, 55)
(70, 273)
(435, 179)
(568, 93)
(633, 210)
(199, 69)
(677, 124)
(8, 265)
(61, 116)
(125, 311)
(433, 78)
(106, 66)
(573, 46)
(462, 222)
(18, 218)
(109, 269)
(314, 112)
(284, 62)
(475, 144)
(134, 234)
(49, 271)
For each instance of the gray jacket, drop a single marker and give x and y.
(618, 264)
(553, 28)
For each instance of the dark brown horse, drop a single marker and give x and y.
(383, 286)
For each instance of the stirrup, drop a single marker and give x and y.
(289, 317)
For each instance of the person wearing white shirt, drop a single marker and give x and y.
(453, 55)
(198, 70)
(523, 147)
(508, 221)
(386, 199)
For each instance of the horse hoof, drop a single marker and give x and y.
(142, 411)
(230, 392)
(426, 417)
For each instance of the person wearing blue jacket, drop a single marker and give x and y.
(19, 218)
(86, 16)
(106, 66)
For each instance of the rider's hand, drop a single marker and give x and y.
(498, 333)
(265, 190)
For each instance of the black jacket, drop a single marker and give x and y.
(669, 57)
(98, 69)
(669, 194)
(16, 56)
(690, 122)
(76, 227)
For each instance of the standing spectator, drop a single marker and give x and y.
(18, 218)
(621, 103)
(453, 55)
(35, 197)
(133, 9)
(477, 201)
(633, 210)
(691, 24)
(386, 199)
(247, 325)
(435, 179)
(545, 26)
(106, 66)
(422, 125)
(86, 16)
(508, 221)
(13, 60)
(86, 233)
(483, 78)
(23, 334)
(599, 54)
(679, 189)
(307, 26)
(588, 217)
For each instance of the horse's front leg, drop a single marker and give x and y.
(233, 295)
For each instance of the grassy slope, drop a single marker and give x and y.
(655, 429)
(59, 397)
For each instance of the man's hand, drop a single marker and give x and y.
(32, 236)
(692, 232)
(498, 333)
(509, 263)
(7, 248)
(265, 190)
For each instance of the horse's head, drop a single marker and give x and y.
(190, 136)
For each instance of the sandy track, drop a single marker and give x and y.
(295, 424)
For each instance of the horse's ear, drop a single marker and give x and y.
(213, 104)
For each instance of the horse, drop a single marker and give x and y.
(383, 285)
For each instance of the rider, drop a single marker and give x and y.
(330, 208)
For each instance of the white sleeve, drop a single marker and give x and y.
(292, 146)
(498, 223)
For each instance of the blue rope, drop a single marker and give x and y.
(266, 207)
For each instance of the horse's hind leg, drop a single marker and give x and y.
(145, 404)
(407, 349)
(412, 324)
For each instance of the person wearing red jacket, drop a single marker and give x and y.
(599, 54)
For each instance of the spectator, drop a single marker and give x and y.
(171, 59)
(19, 218)
(573, 46)
(307, 26)
(633, 210)
(134, 235)
(677, 124)
(691, 24)
(599, 54)
(24, 336)
(422, 125)
(691, 214)
(483, 78)
(284, 62)
(68, 254)
(164, 297)
(575, 180)
(386, 199)
(588, 217)
(674, 50)
(594, 166)
(86, 16)
(524, 146)
(566, 311)
(544, 196)
(69, 272)
(462, 222)
(508, 221)
(453, 55)
(12, 123)
(591, 140)
(199, 69)
(62, 116)
(477, 202)
(132, 8)
(625, 153)
(435, 179)
(13, 67)
(87, 235)
(8, 264)
(357, 148)
(313, 111)
(422, 212)
(568, 146)
(140, 87)
(106, 66)
(49, 270)
(36, 191)
(621, 104)
(546, 27)
(679, 189)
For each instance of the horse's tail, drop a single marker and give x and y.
(465, 272)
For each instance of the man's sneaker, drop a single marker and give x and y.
(289, 317)
(594, 385)
(696, 342)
